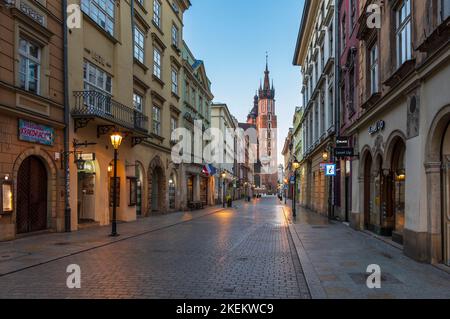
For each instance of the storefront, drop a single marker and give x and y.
(32, 192)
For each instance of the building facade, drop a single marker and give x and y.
(222, 120)
(315, 54)
(401, 178)
(349, 103)
(124, 75)
(196, 184)
(31, 117)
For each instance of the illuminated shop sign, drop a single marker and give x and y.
(36, 133)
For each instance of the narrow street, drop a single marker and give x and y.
(245, 252)
(256, 250)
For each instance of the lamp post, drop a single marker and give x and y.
(116, 140)
(295, 166)
(286, 185)
(223, 175)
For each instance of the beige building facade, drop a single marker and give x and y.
(31, 117)
(401, 188)
(124, 75)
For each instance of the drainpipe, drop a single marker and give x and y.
(337, 93)
(67, 209)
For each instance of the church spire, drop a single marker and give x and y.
(266, 74)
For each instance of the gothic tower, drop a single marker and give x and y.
(264, 117)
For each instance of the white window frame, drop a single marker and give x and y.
(157, 12)
(156, 120)
(139, 44)
(89, 85)
(157, 55)
(403, 32)
(373, 68)
(174, 78)
(27, 58)
(101, 12)
(175, 35)
(138, 102)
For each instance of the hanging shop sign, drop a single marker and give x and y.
(342, 141)
(344, 152)
(330, 170)
(377, 127)
(36, 133)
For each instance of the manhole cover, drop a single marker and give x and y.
(229, 290)
(361, 278)
(319, 227)
(62, 244)
(242, 259)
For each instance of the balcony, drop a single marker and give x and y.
(109, 114)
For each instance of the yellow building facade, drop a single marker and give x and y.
(124, 75)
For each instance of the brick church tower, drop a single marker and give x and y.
(263, 117)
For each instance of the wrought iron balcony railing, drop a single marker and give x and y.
(94, 104)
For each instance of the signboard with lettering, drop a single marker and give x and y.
(36, 133)
(344, 152)
(377, 127)
(342, 141)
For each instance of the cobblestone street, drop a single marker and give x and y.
(255, 250)
(245, 252)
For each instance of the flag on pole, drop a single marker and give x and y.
(209, 170)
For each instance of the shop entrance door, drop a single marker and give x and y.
(31, 196)
(446, 210)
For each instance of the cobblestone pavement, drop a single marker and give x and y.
(245, 252)
(335, 258)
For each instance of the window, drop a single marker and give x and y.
(330, 40)
(175, 35)
(373, 68)
(157, 63)
(193, 97)
(445, 9)
(316, 122)
(403, 32)
(157, 13)
(138, 44)
(270, 117)
(97, 80)
(138, 102)
(173, 124)
(186, 91)
(322, 57)
(156, 118)
(351, 92)
(353, 13)
(200, 104)
(102, 12)
(330, 107)
(29, 66)
(343, 106)
(269, 108)
(343, 35)
(322, 112)
(174, 81)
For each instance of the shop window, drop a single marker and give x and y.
(7, 197)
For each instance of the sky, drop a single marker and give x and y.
(232, 38)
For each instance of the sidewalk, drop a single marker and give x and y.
(335, 257)
(31, 251)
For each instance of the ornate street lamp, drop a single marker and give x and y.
(116, 140)
(223, 175)
(295, 166)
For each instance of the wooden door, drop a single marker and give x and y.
(31, 196)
